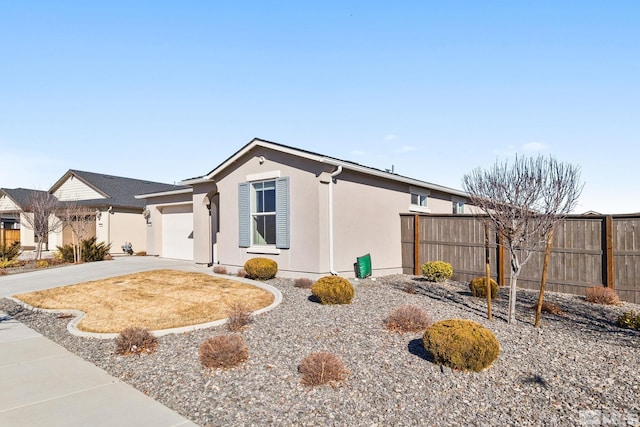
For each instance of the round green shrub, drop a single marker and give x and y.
(261, 268)
(461, 344)
(478, 287)
(333, 290)
(437, 271)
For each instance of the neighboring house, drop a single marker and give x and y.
(311, 213)
(14, 207)
(119, 216)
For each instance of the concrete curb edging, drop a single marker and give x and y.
(72, 326)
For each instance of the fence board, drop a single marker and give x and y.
(586, 251)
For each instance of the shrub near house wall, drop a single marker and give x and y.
(261, 268)
(333, 290)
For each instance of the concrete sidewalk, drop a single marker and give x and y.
(45, 385)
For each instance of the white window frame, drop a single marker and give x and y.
(254, 213)
(458, 205)
(422, 195)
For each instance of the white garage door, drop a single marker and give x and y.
(177, 232)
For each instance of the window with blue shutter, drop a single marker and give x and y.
(244, 215)
(263, 208)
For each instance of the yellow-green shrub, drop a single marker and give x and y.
(478, 287)
(437, 271)
(461, 344)
(630, 320)
(261, 268)
(333, 290)
(43, 263)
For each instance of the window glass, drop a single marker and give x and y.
(419, 200)
(263, 210)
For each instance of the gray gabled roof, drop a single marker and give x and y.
(322, 159)
(118, 191)
(21, 196)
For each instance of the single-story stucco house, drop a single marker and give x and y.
(118, 216)
(313, 214)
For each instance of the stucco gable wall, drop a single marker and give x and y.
(307, 251)
(74, 189)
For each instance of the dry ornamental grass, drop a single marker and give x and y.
(135, 341)
(239, 316)
(223, 351)
(159, 299)
(321, 368)
(408, 318)
(602, 295)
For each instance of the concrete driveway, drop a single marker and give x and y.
(60, 276)
(46, 385)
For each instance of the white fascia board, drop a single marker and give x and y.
(164, 193)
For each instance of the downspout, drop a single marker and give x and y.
(333, 175)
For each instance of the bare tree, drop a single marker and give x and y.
(523, 202)
(39, 215)
(81, 221)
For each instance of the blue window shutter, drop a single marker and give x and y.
(244, 215)
(282, 213)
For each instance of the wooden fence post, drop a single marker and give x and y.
(416, 245)
(607, 252)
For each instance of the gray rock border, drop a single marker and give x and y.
(72, 326)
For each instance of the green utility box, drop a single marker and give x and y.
(363, 266)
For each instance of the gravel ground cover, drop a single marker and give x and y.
(578, 369)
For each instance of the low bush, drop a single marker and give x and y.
(261, 268)
(321, 368)
(303, 283)
(135, 340)
(90, 251)
(629, 320)
(8, 263)
(9, 252)
(141, 253)
(219, 269)
(549, 307)
(223, 351)
(409, 288)
(437, 271)
(333, 290)
(478, 287)
(43, 263)
(602, 295)
(241, 273)
(407, 318)
(461, 344)
(239, 316)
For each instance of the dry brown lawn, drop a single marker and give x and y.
(158, 299)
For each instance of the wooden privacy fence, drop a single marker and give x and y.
(9, 235)
(586, 251)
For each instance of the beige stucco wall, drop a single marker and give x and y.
(154, 224)
(366, 216)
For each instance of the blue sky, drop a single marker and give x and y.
(167, 90)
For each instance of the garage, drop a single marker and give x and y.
(177, 232)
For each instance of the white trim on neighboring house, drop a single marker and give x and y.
(164, 193)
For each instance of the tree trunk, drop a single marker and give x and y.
(515, 272)
(488, 270)
(544, 279)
